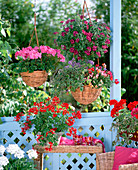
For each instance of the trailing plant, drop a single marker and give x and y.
(125, 121)
(84, 39)
(78, 74)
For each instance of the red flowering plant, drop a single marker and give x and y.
(84, 39)
(125, 121)
(49, 118)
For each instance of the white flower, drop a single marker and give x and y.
(19, 154)
(32, 154)
(73, 108)
(1, 168)
(12, 148)
(2, 149)
(3, 161)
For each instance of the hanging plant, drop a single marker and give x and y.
(34, 63)
(84, 80)
(83, 38)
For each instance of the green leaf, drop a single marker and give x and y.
(1, 121)
(8, 32)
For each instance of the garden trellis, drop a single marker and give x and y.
(94, 124)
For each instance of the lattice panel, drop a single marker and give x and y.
(10, 133)
(94, 124)
(74, 161)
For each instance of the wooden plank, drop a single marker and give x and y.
(70, 149)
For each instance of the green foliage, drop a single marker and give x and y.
(15, 96)
(23, 164)
(21, 16)
(129, 43)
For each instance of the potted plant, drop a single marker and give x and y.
(34, 63)
(48, 119)
(125, 121)
(84, 39)
(84, 80)
(19, 161)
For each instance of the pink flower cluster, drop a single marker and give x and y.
(33, 53)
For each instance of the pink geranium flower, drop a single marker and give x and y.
(87, 52)
(99, 54)
(94, 48)
(71, 26)
(74, 33)
(104, 46)
(107, 41)
(99, 28)
(72, 41)
(71, 50)
(61, 21)
(67, 29)
(106, 51)
(102, 34)
(63, 34)
(134, 112)
(89, 49)
(88, 38)
(56, 33)
(75, 52)
(77, 40)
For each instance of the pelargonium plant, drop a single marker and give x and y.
(47, 119)
(19, 161)
(78, 74)
(38, 58)
(84, 40)
(125, 121)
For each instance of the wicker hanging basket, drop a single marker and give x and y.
(87, 96)
(34, 79)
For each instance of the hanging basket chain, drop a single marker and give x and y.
(34, 31)
(85, 4)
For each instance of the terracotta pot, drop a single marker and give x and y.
(34, 79)
(87, 96)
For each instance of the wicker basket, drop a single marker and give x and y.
(104, 161)
(87, 96)
(34, 79)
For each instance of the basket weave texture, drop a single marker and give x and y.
(104, 161)
(34, 79)
(87, 96)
